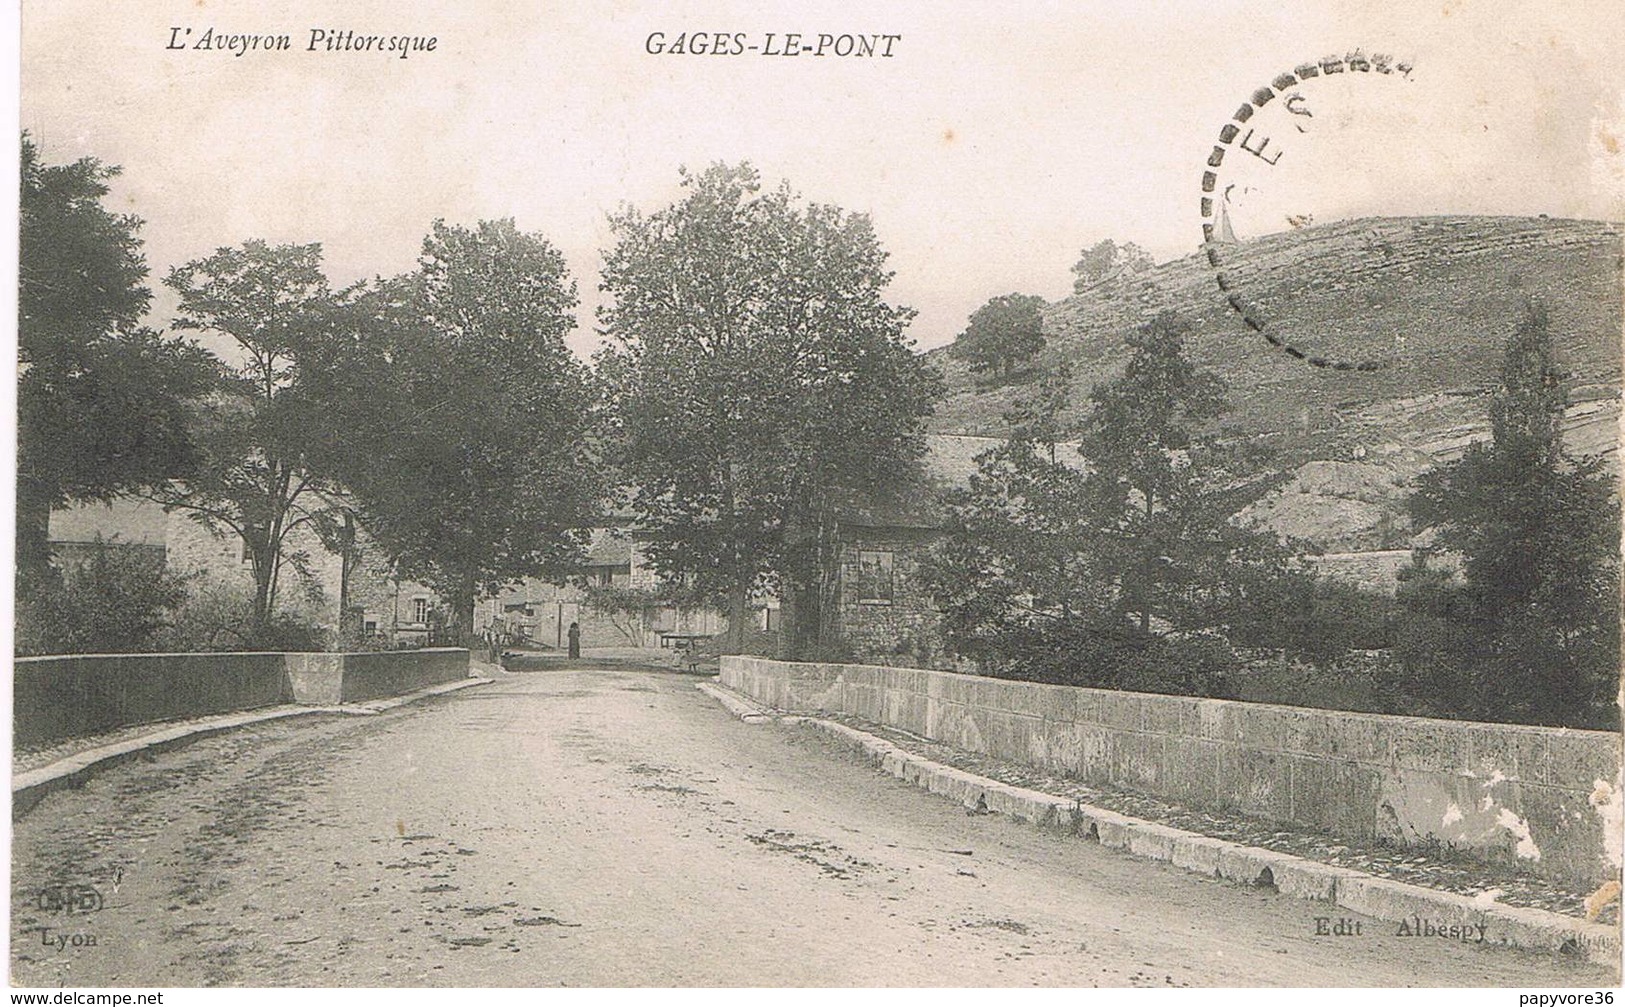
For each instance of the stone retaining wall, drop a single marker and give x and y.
(54, 698)
(1543, 798)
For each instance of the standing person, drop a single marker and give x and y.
(575, 639)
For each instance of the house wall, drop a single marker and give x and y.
(192, 548)
(552, 607)
(905, 627)
(1544, 799)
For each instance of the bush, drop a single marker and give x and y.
(218, 616)
(1315, 619)
(1361, 682)
(119, 601)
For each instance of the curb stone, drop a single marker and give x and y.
(735, 704)
(28, 789)
(1293, 876)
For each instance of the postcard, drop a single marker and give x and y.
(817, 495)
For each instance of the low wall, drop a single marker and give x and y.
(54, 698)
(374, 676)
(1546, 799)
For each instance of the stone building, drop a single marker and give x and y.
(384, 610)
(603, 600)
(883, 612)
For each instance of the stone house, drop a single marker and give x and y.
(599, 600)
(882, 611)
(384, 610)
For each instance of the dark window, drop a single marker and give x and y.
(874, 586)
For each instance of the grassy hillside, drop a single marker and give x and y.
(1430, 300)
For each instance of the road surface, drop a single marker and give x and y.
(612, 827)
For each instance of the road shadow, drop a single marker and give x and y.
(624, 659)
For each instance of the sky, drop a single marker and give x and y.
(995, 143)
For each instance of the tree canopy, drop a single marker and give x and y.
(757, 372)
(1107, 260)
(102, 400)
(1002, 333)
(458, 420)
(1531, 632)
(256, 429)
(1075, 560)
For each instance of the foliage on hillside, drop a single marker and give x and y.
(1002, 333)
(1431, 299)
(1122, 568)
(1530, 632)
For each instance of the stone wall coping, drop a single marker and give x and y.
(1385, 719)
(41, 658)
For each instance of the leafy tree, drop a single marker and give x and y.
(255, 430)
(1107, 260)
(1533, 632)
(1110, 569)
(1015, 576)
(101, 400)
(758, 374)
(459, 421)
(1169, 544)
(1002, 333)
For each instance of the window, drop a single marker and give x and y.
(420, 610)
(874, 577)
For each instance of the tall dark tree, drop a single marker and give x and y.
(1536, 622)
(758, 374)
(257, 428)
(101, 399)
(1069, 567)
(1167, 537)
(1002, 333)
(460, 422)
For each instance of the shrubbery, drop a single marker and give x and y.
(1125, 569)
(120, 600)
(123, 600)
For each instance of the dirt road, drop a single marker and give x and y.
(618, 828)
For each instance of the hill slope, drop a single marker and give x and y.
(1431, 300)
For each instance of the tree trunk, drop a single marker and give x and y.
(800, 584)
(347, 627)
(809, 619)
(263, 570)
(738, 612)
(461, 623)
(33, 543)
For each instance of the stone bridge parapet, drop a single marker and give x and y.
(1547, 799)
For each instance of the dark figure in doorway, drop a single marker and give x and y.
(575, 639)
